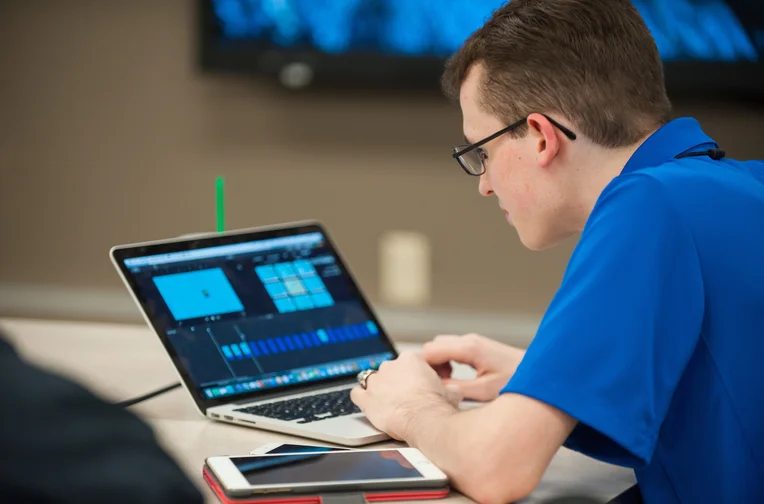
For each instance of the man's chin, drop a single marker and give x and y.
(536, 241)
(536, 247)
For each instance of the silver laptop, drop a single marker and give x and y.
(266, 327)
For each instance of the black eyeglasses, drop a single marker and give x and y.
(471, 157)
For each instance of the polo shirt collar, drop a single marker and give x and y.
(673, 138)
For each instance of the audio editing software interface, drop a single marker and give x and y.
(260, 314)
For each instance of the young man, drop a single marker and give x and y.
(650, 353)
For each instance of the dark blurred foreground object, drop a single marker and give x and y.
(62, 444)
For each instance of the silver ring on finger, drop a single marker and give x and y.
(363, 376)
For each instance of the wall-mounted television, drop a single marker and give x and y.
(708, 46)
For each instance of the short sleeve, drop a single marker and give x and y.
(618, 334)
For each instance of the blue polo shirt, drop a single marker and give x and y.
(655, 339)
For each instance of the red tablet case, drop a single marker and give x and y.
(389, 496)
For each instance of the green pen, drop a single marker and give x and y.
(220, 200)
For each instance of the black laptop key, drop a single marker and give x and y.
(307, 409)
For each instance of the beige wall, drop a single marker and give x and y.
(109, 134)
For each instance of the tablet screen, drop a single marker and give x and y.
(323, 467)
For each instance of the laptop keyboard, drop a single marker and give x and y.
(307, 409)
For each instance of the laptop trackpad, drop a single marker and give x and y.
(356, 426)
(361, 424)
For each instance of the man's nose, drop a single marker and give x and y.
(484, 187)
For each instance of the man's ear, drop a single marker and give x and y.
(545, 135)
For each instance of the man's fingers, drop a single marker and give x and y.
(480, 389)
(444, 370)
(444, 349)
(372, 376)
(358, 396)
(454, 395)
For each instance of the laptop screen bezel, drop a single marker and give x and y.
(191, 242)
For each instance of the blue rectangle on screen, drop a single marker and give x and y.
(284, 305)
(332, 335)
(323, 336)
(281, 345)
(304, 267)
(254, 348)
(288, 342)
(272, 346)
(340, 334)
(285, 270)
(245, 349)
(236, 351)
(198, 294)
(303, 302)
(227, 352)
(373, 329)
(322, 299)
(263, 347)
(306, 339)
(266, 273)
(276, 289)
(297, 341)
(315, 339)
(313, 284)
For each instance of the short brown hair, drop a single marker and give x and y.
(593, 61)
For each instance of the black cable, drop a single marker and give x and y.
(148, 396)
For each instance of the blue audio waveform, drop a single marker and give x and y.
(683, 29)
(300, 341)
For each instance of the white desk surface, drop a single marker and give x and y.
(121, 361)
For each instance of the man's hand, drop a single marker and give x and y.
(494, 362)
(513, 435)
(399, 390)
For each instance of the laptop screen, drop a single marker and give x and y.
(257, 314)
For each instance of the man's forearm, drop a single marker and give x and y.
(430, 426)
(465, 445)
(496, 453)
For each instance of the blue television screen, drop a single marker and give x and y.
(259, 32)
